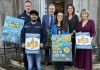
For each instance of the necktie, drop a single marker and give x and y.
(51, 22)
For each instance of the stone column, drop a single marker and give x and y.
(98, 25)
(42, 8)
(21, 6)
(2, 15)
(36, 5)
(98, 31)
(15, 7)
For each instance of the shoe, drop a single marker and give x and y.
(69, 64)
(47, 63)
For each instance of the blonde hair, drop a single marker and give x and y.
(84, 10)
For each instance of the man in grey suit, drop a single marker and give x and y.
(47, 20)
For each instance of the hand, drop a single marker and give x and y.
(23, 45)
(72, 34)
(80, 32)
(91, 39)
(41, 45)
(73, 31)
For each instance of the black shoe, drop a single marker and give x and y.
(69, 64)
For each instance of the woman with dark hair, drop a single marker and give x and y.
(60, 27)
(34, 27)
(72, 20)
(60, 24)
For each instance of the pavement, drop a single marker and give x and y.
(15, 62)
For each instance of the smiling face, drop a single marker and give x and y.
(70, 10)
(34, 17)
(60, 17)
(28, 7)
(51, 9)
(84, 15)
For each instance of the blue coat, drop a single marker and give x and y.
(54, 30)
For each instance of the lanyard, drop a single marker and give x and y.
(59, 31)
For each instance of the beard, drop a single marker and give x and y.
(34, 20)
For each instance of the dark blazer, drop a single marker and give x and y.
(33, 28)
(25, 17)
(45, 21)
(72, 23)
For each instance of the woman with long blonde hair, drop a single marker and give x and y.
(83, 58)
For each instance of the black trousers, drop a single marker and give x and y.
(59, 65)
(73, 53)
(25, 59)
(73, 49)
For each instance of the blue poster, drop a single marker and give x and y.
(61, 48)
(32, 43)
(83, 40)
(12, 29)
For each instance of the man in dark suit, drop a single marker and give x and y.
(47, 20)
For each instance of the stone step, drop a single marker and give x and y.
(96, 67)
(2, 68)
(16, 65)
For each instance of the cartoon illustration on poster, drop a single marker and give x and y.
(61, 48)
(83, 41)
(32, 43)
(12, 29)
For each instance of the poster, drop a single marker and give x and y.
(83, 40)
(12, 29)
(61, 48)
(32, 43)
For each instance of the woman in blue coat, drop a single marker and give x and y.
(60, 27)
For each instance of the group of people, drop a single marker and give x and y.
(58, 23)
